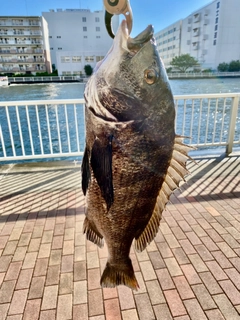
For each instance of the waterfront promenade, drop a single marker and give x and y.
(49, 271)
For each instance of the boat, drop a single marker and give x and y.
(4, 81)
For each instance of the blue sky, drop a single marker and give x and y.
(160, 13)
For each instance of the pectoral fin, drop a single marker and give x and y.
(86, 173)
(101, 163)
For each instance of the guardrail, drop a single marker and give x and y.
(55, 128)
(44, 79)
(191, 75)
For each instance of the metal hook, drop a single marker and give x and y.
(117, 7)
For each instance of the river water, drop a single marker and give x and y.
(52, 91)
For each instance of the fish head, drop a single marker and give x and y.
(132, 66)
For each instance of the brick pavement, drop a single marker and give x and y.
(49, 271)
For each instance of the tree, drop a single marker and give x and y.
(223, 67)
(184, 62)
(234, 65)
(88, 69)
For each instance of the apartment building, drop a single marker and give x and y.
(211, 34)
(169, 42)
(24, 46)
(77, 37)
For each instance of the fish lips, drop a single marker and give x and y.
(135, 44)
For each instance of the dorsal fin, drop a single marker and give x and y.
(175, 174)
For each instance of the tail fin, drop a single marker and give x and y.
(116, 274)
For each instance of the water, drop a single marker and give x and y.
(53, 91)
(50, 91)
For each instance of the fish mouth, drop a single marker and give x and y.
(135, 44)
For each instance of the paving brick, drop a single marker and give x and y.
(216, 270)
(24, 239)
(125, 298)
(50, 297)
(80, 292)
(236, 263)
(183, 287)
(187, 246)
(66, 283)
(234, 275)
(173, 267)
(190, 274)
(30, 260)
(4, 263)
(32, 310)
(157, 260)
(179, 234)
(172, 241)
(24, 279)
(34, 245)
(155, 293)
(162, 312)
(6, 291)
(164, 250)
(3, 310)
(80, 270)
(165, 279)
(41, 267)
(68, 247)
(147, 270)
(208, 242)
(37, 287)
(18, 302)
(214, 235)
(203, 297)
(198, 263)
(67, 264)
(227, 251)
(57, 242)
(231, 291)
(93, 279)
(214, 315)
(180, 256)
(95, 302)
(44, 251)
(53, 274)
(204, 253)
(174, 302)
(130, 315)
(221, 259)
(19, 254)
(15, 234)
(10, 247)
(55, 257)
(144, 307)
(194, 309)
(13, 271)
(64, 308)
(226, 307)
(210, 283)
(112, 309)
(48, 315)
(80, 312)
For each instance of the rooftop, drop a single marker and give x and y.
(49, 271)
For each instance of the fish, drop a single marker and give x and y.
(133, 159)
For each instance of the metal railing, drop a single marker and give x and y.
(44, 79)
(189, 75)
(56, 128)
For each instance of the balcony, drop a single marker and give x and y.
(195, 45)
(197, 18)
(196, 32)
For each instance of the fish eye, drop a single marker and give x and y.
(150, 76)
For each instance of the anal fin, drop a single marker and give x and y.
(92, 234)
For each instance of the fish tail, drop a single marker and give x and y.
(116, 274)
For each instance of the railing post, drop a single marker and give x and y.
(232, 123)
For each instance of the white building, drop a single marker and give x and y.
(210, 34)
(24, 45)
(169, 42)
(77, 37)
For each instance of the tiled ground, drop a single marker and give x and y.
(48, 271)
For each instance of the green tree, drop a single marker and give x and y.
(223, 67)
(88, 69)
(234, 65)
(184, 62)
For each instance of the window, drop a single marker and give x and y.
(59, 48)
(215, 35)
(76, 59)
(50, 37)
(218, 5)
(99, 58)
(85, 37)
(65, 59)
(214, 42)
(58, 37)
(51, 48)
(66, 73)
(98, 37)
(97, 19)
(216, 27)
(89, 58)
(84, 19)
(84, 28)
(216, 21)
(98, 29)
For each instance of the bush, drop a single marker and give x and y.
(234, 65)
(88, 69)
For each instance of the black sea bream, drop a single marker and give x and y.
(133, 159)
